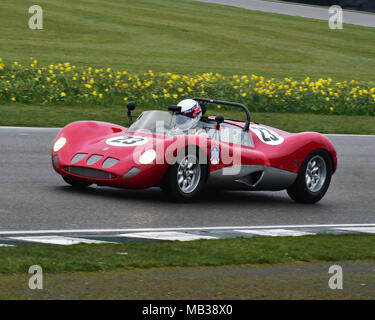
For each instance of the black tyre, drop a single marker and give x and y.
(185, 179)
(313, 178)
(77, 183)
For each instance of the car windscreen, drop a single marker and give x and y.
(155, 121)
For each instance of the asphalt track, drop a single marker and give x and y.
(300, 10)
(34, 197)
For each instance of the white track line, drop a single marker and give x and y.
(358, 229)
(56, 231)
(276, 232)
(165, 235)
(67, 241)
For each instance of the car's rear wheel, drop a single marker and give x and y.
(313, 178)
(186, 178)
(77, 183)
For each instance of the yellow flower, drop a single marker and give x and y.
(175, 96)
(167, 95)
(125, 99)
(13, 99)
(62, 94)
(94, 93)
(327, 99)
(100, 96)
(154, 96)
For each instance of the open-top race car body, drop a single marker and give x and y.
(214, 153)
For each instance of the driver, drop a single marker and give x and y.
(187, 119)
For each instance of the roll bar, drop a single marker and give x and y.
(205, 101)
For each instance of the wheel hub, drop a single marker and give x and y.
(316, 173)
(188, 174)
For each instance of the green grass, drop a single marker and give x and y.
(260, 250)
(58, 116)
(186, 37)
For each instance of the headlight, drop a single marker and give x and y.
(59, 144)
(147, 157)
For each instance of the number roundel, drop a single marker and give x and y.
(267, 136)
(126, 141)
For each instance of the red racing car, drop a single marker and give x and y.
(182, 151)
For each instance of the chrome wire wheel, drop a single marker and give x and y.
(188, 174)
(316, 173)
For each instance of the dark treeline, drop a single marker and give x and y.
(365, 5)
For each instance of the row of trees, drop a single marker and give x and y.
(366, 5)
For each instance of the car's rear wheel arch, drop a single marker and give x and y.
(307, 187)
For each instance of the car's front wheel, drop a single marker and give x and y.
(77, 183)
(313, 178)
(186, 178)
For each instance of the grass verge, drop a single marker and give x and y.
(59, 116)
(237, 251)
(185, 36)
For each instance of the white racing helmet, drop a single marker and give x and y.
(190, 114)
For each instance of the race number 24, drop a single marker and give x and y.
(267, 136)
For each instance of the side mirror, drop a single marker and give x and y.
(219, 119)
(130, 106)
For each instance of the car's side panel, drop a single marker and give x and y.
(271, 164)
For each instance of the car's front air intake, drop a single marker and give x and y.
(89, 173)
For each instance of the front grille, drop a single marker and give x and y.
(109, 162)
(94, 159)
(78, 157)
(89, 173)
